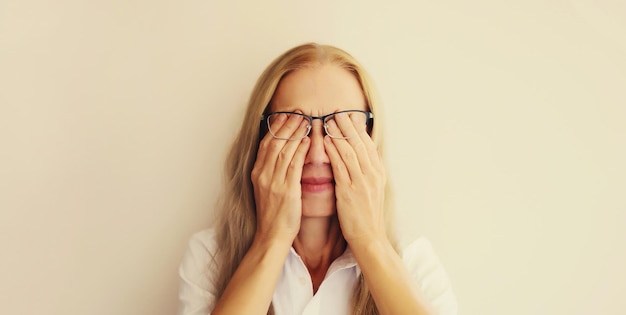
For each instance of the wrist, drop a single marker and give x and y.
(274, 238)
(369, 244)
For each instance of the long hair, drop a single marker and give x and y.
(236, 216)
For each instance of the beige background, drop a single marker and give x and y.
(506, 124)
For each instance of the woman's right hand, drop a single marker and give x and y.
(276, 179)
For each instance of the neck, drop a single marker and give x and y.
(319, 243)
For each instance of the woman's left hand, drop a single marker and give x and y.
(360, 180)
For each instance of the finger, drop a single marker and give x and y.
(290, 128)
(371, 148)
(334, 129)
(340, 171)
(265, 142)
(294, 171)
(294, 126)
(344, 121)
(347, 154)
(286, 155)
(351, 123)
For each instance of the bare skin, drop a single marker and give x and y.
(319, 243)
(317, 220)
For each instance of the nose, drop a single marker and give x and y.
(317, 154)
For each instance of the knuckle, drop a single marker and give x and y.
(261, 177)
(262, 181)
(373, 152)
(274, 145)
(342, 169)
(275, 186)
(264, 144)
(359, 146)
(293, 165)
(349, 198)
(283, 155)
(254, 175)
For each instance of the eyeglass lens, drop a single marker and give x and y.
(281, 125)
(288, 126)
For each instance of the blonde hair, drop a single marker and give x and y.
(236, 216)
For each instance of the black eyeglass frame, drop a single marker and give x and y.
(265, 118)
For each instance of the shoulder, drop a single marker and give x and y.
(197, 272)
(429, 275)
(200, 253)
(203, 241)
(418, 252)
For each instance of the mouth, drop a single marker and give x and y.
(317, 184)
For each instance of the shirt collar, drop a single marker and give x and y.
(345, 261)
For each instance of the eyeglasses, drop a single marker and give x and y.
(362, 118)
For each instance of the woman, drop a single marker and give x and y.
(304, 222)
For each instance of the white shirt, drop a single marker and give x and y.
(294, 291)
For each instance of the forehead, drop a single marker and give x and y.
(318, 91)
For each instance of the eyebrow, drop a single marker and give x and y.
(300, 111)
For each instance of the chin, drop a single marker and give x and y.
(318, 214)
(318, 206)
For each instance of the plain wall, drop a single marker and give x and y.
(505, 120)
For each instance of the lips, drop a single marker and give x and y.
(317, 184)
